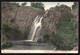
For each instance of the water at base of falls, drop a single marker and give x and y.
(30, 41)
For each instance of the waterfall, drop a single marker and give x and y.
(36, 25)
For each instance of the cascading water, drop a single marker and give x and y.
(36, 25)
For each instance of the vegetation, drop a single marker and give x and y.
(75, 5)
(66, 37)
(46, 37)
(9, 32)
(37, 5)
(6, 44)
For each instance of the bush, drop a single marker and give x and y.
(75, 5)
(9, 32)
(65, 38)
(39, 40)
(37, 5)
(45, 37)
(6, 44)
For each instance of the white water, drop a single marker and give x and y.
(35, 25)
(34, 28)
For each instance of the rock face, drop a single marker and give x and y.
(52, 17)
(19, 17)
(75, 48)
(26, 16)
(50, 20)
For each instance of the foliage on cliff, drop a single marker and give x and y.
(37, 5)
(64, 37)
(11, 33)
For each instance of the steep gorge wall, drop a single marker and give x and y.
(52, 17)
(19, 17)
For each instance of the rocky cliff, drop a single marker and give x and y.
(52, 17)
(60, 23)
(19, 17)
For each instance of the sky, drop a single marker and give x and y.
(47, 5)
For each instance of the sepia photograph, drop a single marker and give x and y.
(39, 27)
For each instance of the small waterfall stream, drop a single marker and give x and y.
(36, 25)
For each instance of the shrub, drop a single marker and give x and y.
(10, 32)
(6, 44)
(65, 37)
(46, 37)
(37, 5)
(75, 5)
(39, 40)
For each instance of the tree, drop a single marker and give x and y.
(65, 38)
(75, 5)
(37, 5)
(46, 37)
